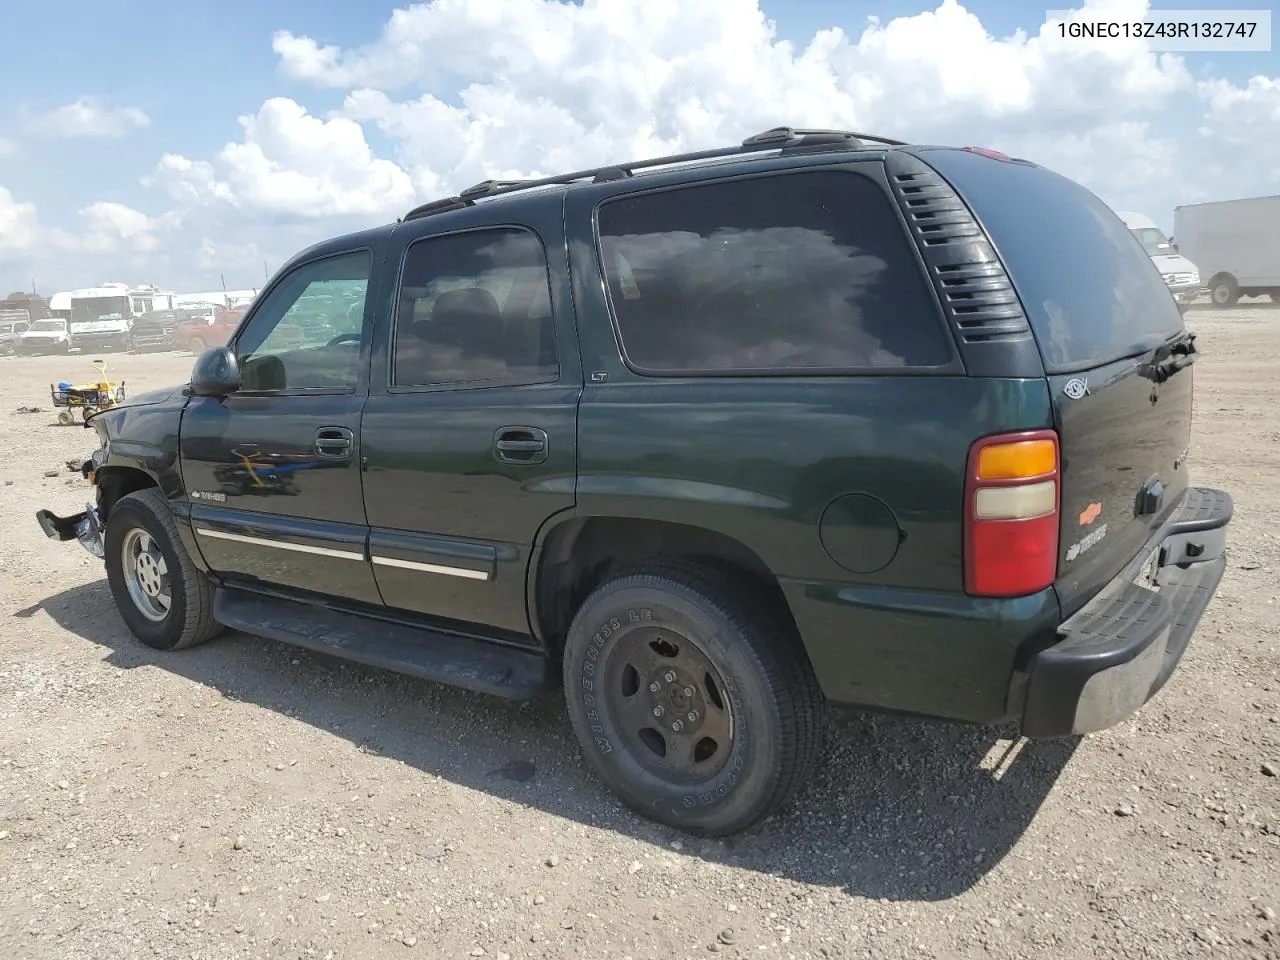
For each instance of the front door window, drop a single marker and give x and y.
(308, 332)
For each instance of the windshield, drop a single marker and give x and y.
(91, 309)
(1153, 241)
(48, 326)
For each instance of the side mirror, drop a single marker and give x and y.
(216, 373)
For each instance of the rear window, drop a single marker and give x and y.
(795, 272)
(1091, 293)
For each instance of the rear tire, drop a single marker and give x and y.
(1224, 292)
(691, 698)
(164, 600)
(196, 346)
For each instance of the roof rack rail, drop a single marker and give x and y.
(777, 135)
(487, 187)
(784, 139)
(443, 205)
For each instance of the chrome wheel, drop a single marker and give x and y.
(146, 575)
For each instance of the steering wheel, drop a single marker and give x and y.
(344, 338)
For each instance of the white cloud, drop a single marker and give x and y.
(7, 147)
(19, 226)
(534, 86)
(103, 229)
(109, 227)
(1241, 134)
(293, 164)
(91, 118)
(452, 92)
(215, 256)
(189, 182)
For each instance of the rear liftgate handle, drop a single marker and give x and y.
(523, 445)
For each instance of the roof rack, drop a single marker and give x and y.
(785, 134)
(786, 140)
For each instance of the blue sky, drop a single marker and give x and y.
(193, 68)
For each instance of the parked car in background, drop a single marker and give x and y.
(45, 336)
(11, 329)
(156, 330)
(1180, 275)
(1237, 245)
(210, 330)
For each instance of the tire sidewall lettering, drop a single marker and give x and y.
(708, 794)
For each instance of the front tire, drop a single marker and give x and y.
(164, 600)
(691, 698)
(196, 346)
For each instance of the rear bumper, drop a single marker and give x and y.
(1118, 650)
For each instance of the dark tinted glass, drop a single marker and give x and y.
(1091, 293)
(796, 271)
(475, 307)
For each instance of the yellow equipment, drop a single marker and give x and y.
(89, 398)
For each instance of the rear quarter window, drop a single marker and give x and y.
(797, 272)
(1090, 291)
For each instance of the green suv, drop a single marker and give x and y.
(708, 441)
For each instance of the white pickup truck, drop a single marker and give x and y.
(45, 336)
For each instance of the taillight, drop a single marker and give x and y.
(1012, 498)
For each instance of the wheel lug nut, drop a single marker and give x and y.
(670, 676)
(655, 687)
(658, 711)
(688, 691)
(693, 716)
(677, 726)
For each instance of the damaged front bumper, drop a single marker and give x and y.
(85, 527)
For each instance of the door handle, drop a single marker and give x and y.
(520, 445)
(334, 443)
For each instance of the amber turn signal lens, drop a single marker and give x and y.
(1019, 460)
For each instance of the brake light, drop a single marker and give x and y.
(985, 152)
(1012, 497)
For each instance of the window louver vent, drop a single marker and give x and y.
(971, 281)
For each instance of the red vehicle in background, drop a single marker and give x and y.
(213, 330)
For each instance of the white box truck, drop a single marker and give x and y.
(1236, 244)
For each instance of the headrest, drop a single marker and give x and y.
(469, 303)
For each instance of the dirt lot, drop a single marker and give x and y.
(245, 799)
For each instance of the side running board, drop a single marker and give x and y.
(457, 660)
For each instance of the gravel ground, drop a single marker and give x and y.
(246, 799)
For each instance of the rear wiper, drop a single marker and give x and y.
(1171, 357)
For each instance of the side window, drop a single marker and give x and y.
(475, 308)
(787, 272)
(307, 333)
